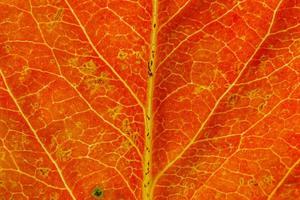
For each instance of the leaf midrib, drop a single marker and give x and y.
(147, 185)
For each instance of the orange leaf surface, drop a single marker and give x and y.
(150, 100)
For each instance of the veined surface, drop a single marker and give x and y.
(150, 100)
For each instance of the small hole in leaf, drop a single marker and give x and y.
(97, 193)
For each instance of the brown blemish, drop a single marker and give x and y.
(242, 181)
(122, 55)
(232, 100)
(44, 172)
(252, 182)
(7, 48)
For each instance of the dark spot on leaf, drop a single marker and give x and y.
(44, 171)
(252, 182)
(97, 193)
(242, 181)
(7, 48)
(268, 96)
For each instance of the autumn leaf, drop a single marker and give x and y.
(150, 100)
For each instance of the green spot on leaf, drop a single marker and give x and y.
(97, 193)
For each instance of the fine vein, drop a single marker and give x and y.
(60, 75)
(37, 138)
(289, 171)
(219, 100)
(102, 58)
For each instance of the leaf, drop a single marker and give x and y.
(145, 100)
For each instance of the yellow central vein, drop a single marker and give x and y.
(103, 59)
(147, 164)
(37, 137)
(283, 179)
(218, 101)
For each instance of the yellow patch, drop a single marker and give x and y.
(73, 61)
(126, 144)
(44, 172)
(263, 64)
(201, 88)
(25, 71)
(25, 140)
(240, 6)
(253, 94)
(13, 184)
(88, 68)
(2, 155)
(243, 37)
(63, 154)
(123, 67)
(181, 98)
(7, 48)
(79, 124)
(122, 55)
(67, 134)
(52, 61)
(218, 195)
(58, 15)
(115, 112)
(125, 127)
(54, 196)
(134, 136)
(94, 83)
(55, 19)
(268, 179)
(138, 55)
